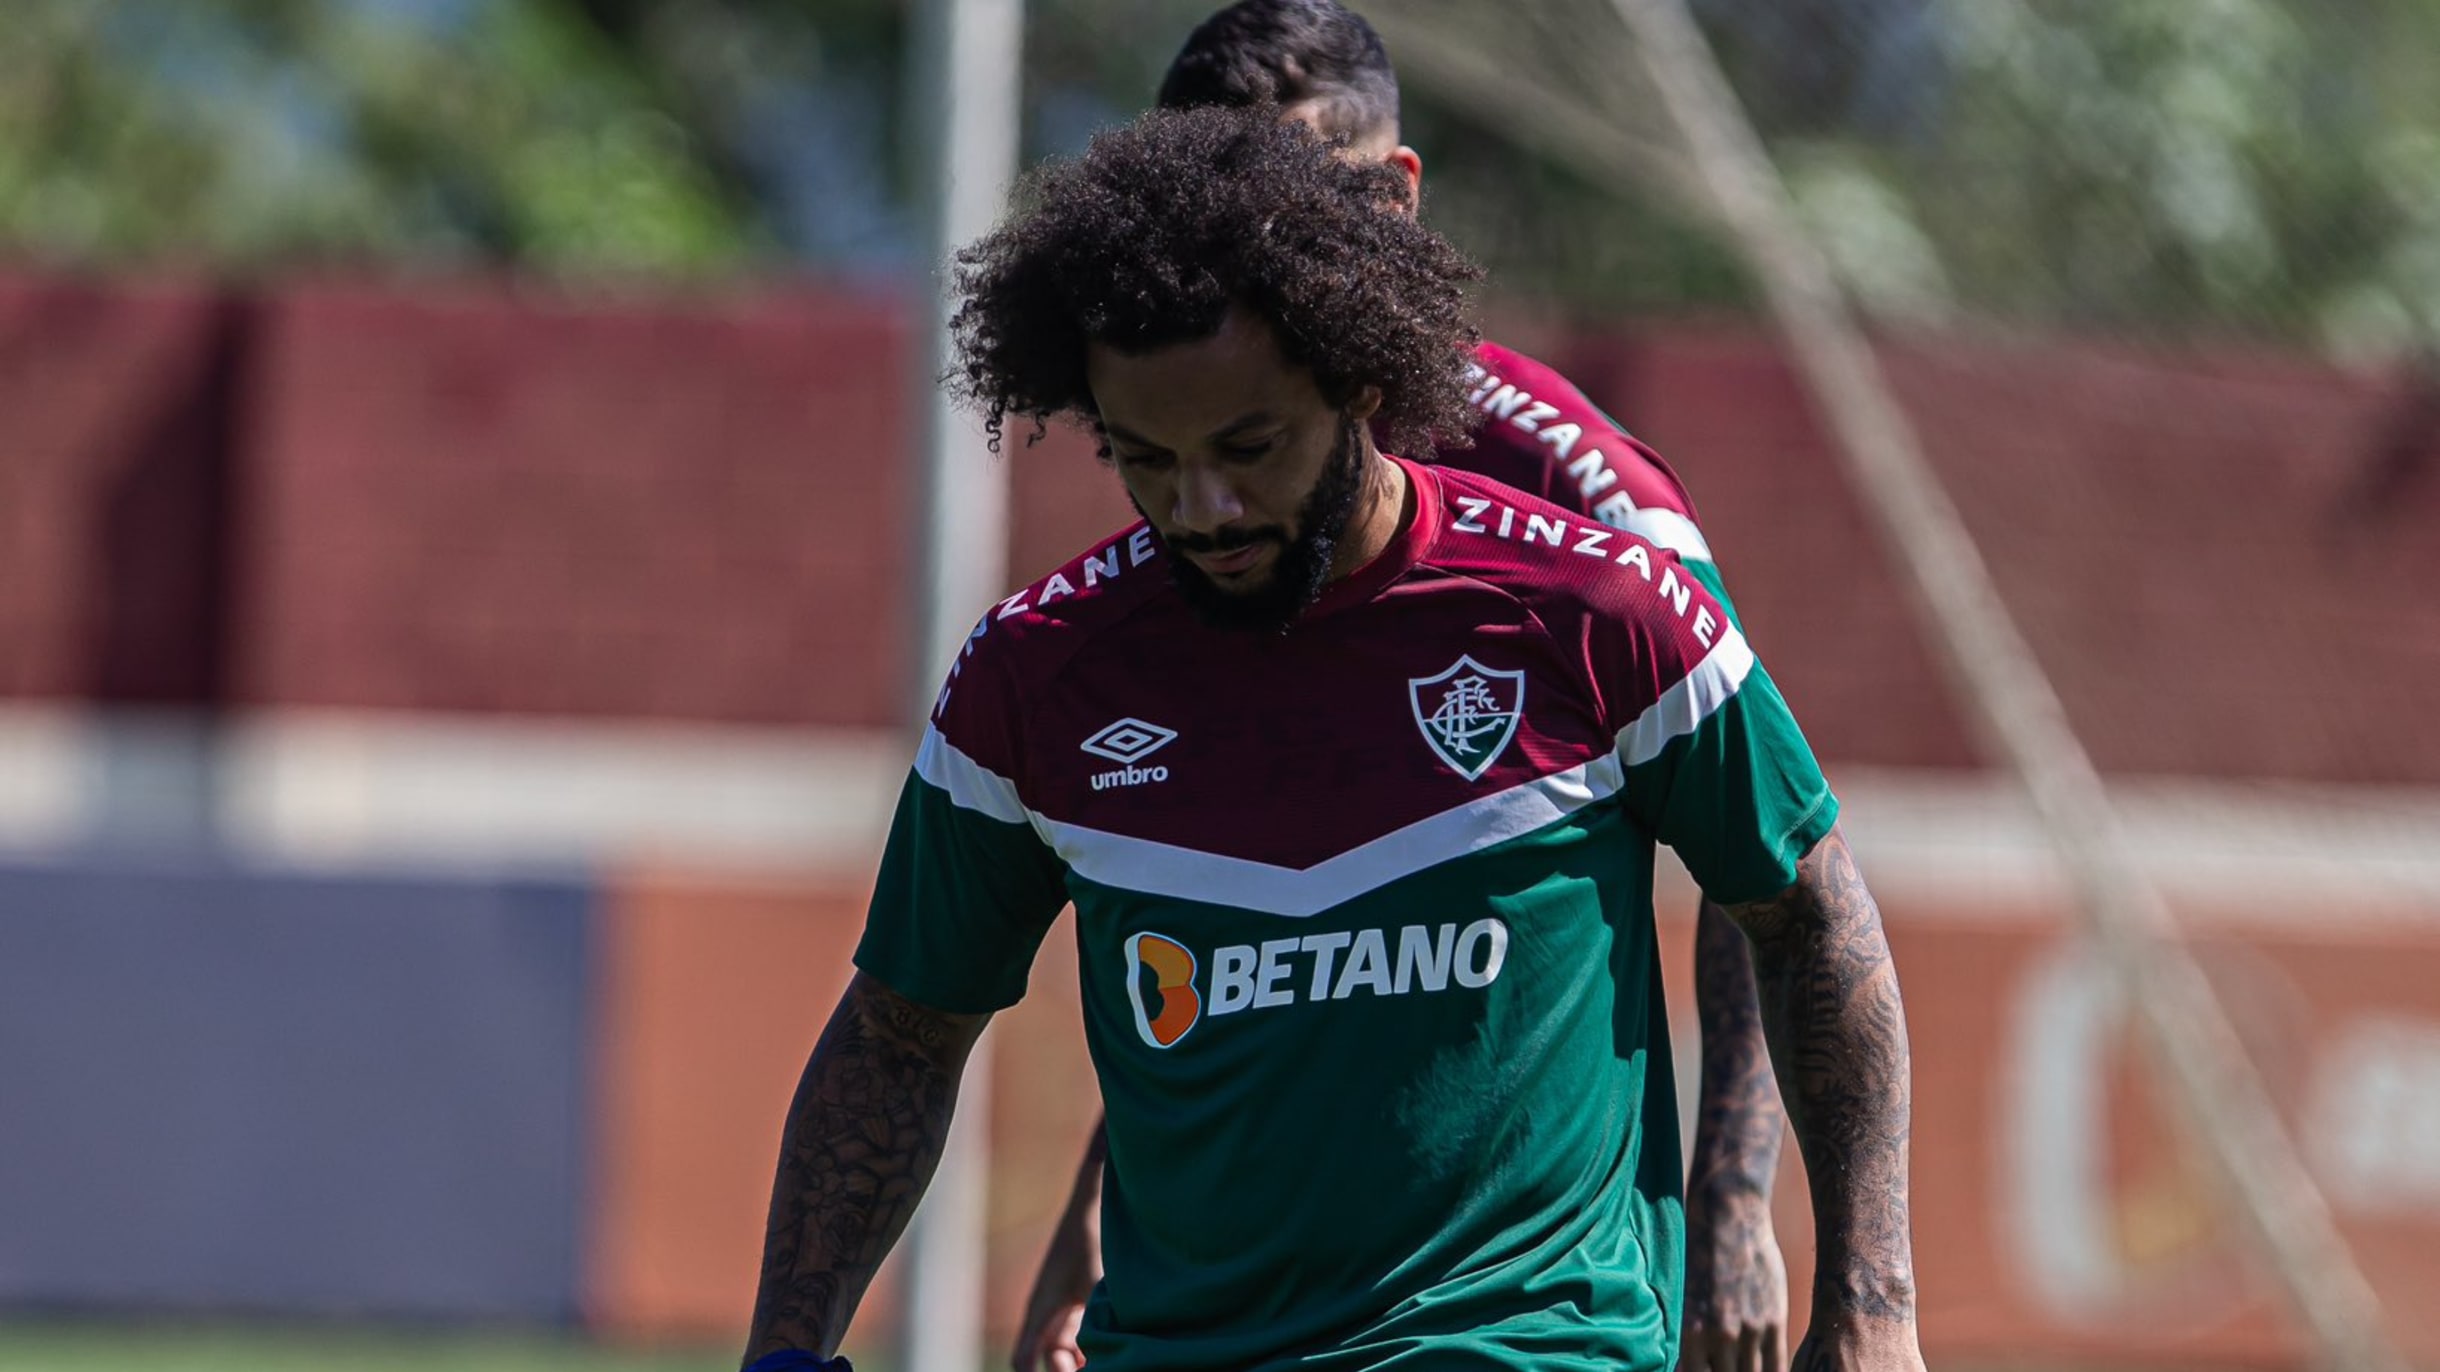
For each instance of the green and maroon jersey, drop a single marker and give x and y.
(1363, 913)
(1542, 435)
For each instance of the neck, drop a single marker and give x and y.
(1379, 513)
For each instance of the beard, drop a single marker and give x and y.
(1302, 567)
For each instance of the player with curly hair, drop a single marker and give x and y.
(1323, 65)
(1353, 767)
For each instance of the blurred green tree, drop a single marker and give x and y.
(2149, 166)
(240, 132)
(2121, 165)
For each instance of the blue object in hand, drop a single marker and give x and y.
(797, 1360)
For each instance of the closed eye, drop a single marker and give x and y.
(1247, 452)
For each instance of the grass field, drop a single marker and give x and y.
(49, 1346)
(66, 1346)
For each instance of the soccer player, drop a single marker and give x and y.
(1353, 768)
(1321, 63)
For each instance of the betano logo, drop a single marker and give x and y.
(1162, 972)
(1172, 969)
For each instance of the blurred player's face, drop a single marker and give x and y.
(1249, 476)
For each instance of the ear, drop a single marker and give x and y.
(1410, 162)
(1366, 404)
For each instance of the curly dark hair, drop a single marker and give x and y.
(1149, 237)
(1288, 52)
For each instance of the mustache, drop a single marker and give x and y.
(1226, 540)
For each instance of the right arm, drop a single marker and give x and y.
(863, 1136)
(1046, 1341)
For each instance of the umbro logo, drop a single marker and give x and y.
(1128, 742)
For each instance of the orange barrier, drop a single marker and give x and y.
(2057, 1214)
(712, 993)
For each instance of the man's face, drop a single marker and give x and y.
(1242, 467)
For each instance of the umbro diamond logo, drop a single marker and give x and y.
(1128, 742)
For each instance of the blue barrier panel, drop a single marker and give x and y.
(225, 1090)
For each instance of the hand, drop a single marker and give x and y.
(1736, 1288)
(1046, 1342)
(1859, 1343)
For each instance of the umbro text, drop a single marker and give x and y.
(1129, 776)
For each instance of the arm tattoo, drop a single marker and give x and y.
(1738, 1122)
(1829, 999)
(862, 1138)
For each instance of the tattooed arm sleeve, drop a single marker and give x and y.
(1829, 1001)
(862, 1138)
(1738, 1121)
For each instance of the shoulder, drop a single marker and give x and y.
(1541, 433)
(1617, 597)
(1023, 643)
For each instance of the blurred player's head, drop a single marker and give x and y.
(1316, 60)
(1219, 296)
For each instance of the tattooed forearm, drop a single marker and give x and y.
(1738, 1121)
(1732, 1273)
(862, 1138)
(1829, 1000)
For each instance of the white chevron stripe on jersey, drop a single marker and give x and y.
(1666, 529)
(1163, 869)
(1166, 869)
(970, 784)
(1692, 700)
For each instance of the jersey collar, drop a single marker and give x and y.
(1408, 546)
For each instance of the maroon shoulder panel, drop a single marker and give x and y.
(1542, 435)
(1015, 658)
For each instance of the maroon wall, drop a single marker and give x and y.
(2225, 562)
(473, 497)
(116, 424)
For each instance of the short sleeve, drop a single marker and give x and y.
(1709, 575)
(967, 888)
(1713, 762)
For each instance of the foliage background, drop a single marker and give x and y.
(2157, 167)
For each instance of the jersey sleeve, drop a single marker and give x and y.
(967, 888)
(1712, 761)
(1540, 433)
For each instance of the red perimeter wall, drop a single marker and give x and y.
(477, 498)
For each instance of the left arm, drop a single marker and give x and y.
(1837, 1030)
(1736, 1284)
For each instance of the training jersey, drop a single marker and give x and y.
(1542, 435)
(1364, 927)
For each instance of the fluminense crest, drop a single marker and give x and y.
(1468, 713)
